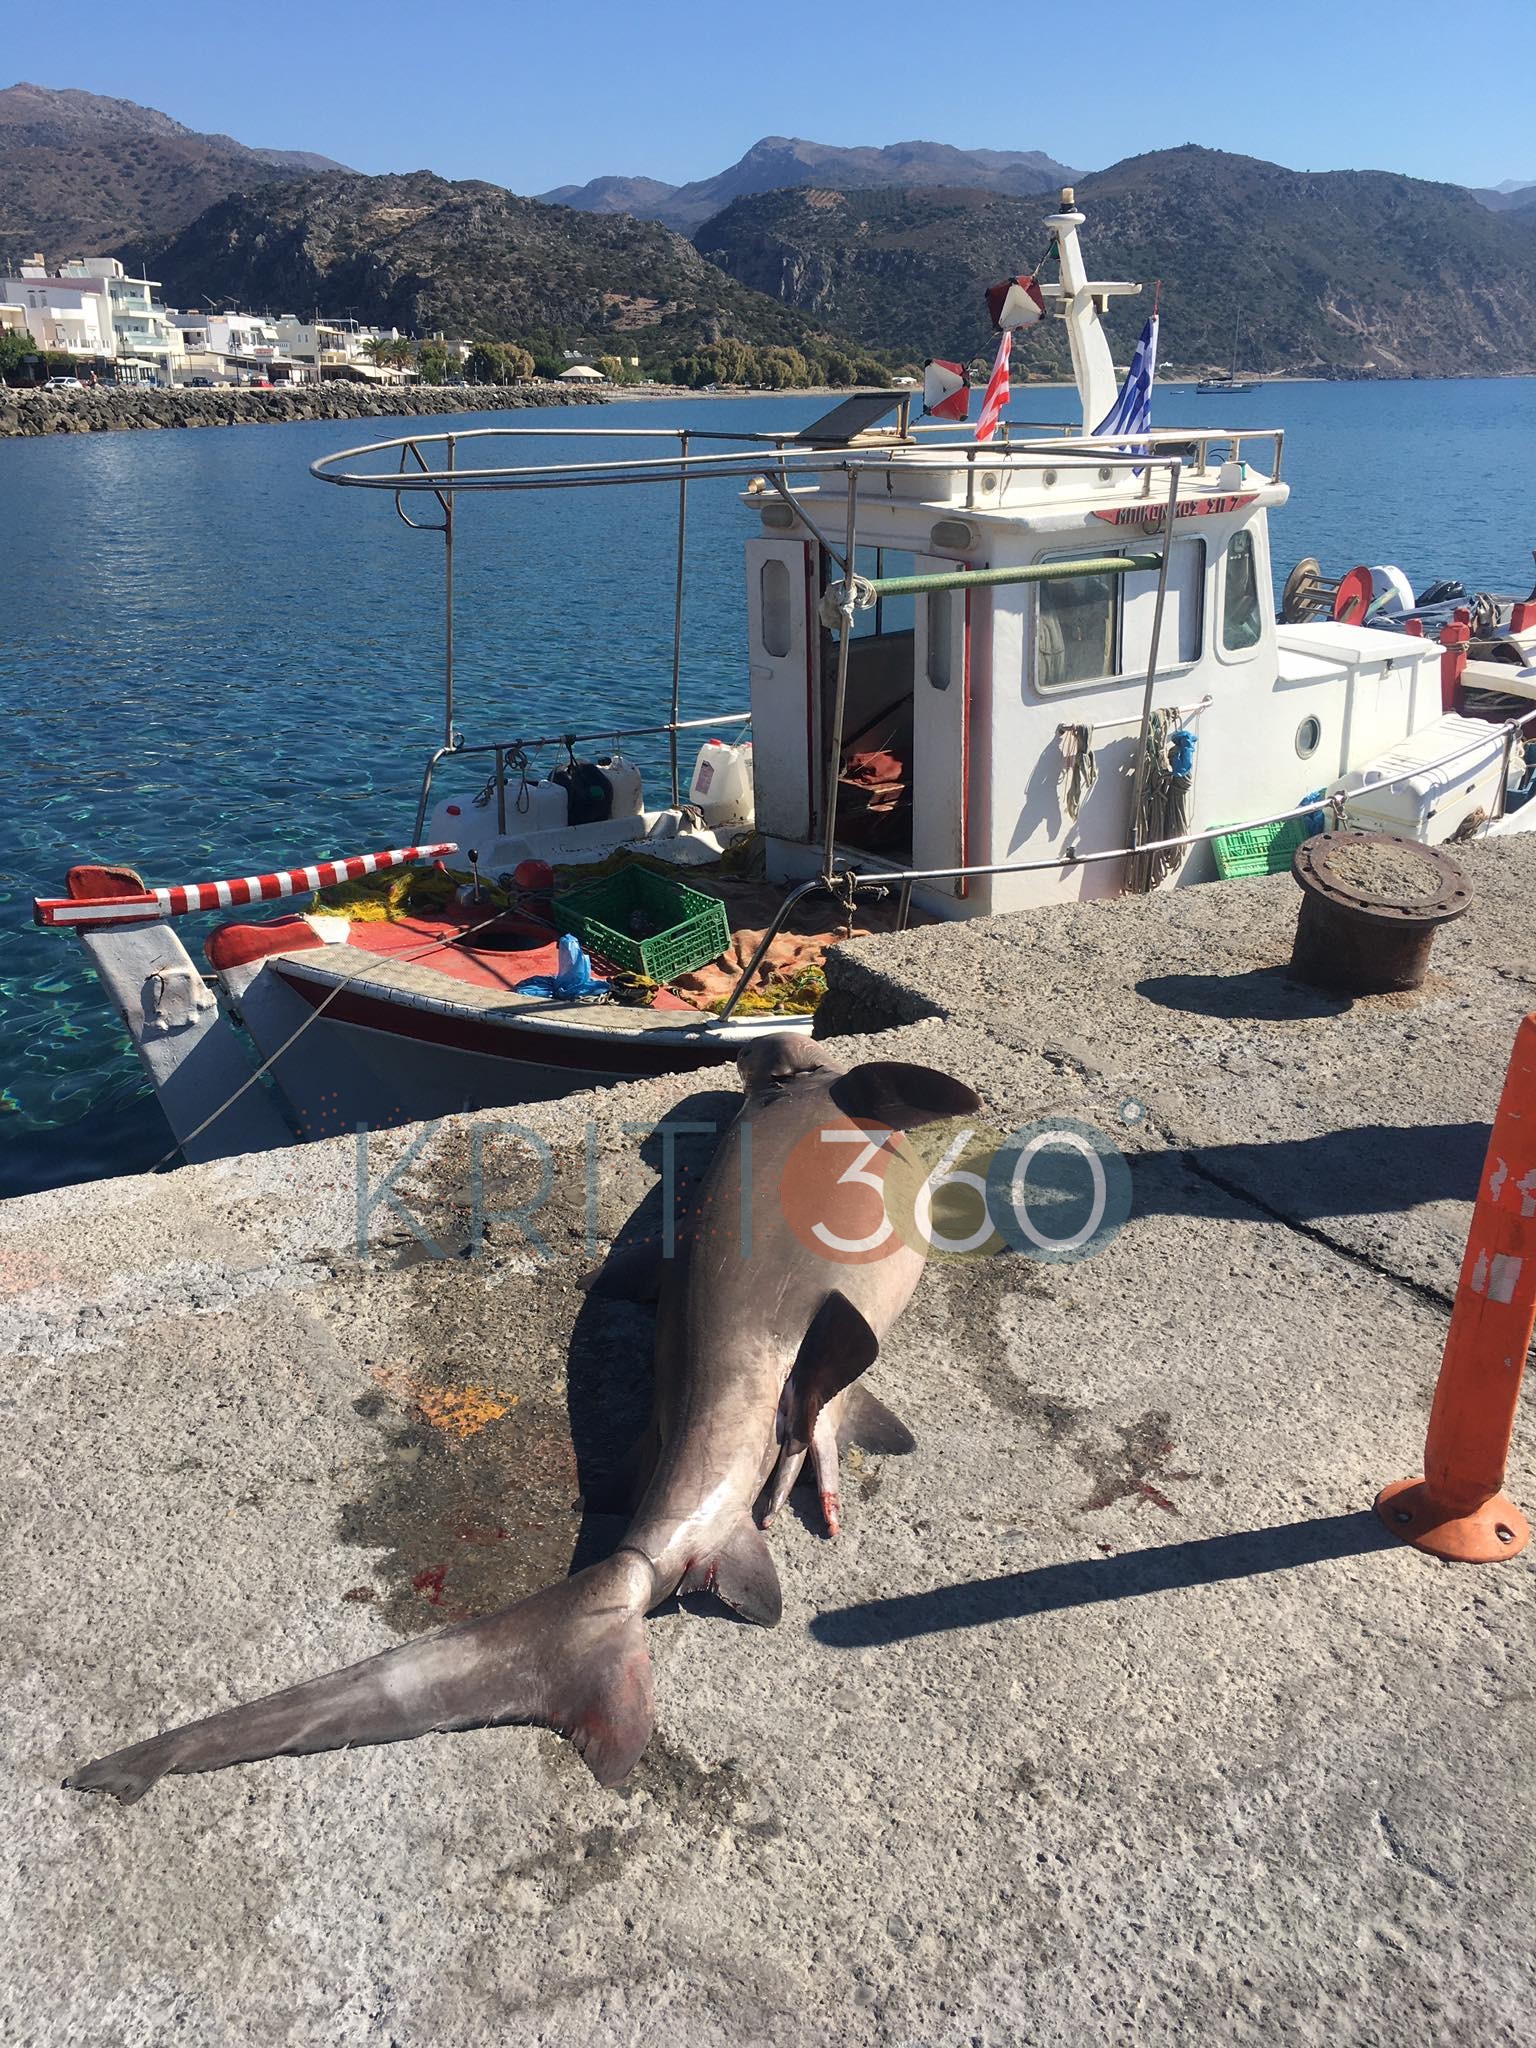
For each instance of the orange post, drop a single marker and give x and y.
(1459, 1509)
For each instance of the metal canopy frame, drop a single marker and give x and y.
(447, 475)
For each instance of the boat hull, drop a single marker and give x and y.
(373, 1060)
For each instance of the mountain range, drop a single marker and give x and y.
(421, 253)
(81, 174)
(1335, 271)
(797, 246)
(1512, 194)
(780, 161)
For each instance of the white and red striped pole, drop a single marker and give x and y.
(83, 909)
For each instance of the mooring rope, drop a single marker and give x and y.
(413, 953)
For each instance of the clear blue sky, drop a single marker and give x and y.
(532, 96)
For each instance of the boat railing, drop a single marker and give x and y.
(450, 476)
(432, 463)
(517, 752)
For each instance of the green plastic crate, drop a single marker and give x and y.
(693, 930)
(1260, 849)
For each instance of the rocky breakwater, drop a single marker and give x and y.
(105, 409)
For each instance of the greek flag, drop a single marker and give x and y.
(1131, 412)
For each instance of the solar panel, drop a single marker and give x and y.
(840, 427)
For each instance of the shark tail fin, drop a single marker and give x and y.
(572, 1658)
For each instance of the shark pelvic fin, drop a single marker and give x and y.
(741, 1573)
(837, 1347)
(871, 1425)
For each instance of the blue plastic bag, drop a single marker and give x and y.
(574, 978)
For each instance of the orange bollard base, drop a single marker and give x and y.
(1494, 1530)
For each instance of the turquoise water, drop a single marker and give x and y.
(212, 665)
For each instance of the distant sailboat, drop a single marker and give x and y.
(1231, 385)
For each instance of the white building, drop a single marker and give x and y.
(148, 344)
(71, 317)
(240, 348)
(91, 308)
(321, 344)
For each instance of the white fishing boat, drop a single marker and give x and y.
(983, 678)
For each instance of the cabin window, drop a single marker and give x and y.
(773, 593)
(1182, 634)
(1241, 623)
(941, 637)
(1075, 629)
(888, 614)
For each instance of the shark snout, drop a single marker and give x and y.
(779, 1058)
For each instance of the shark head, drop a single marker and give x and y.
(769, 1062)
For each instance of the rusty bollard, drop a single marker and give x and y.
(1371, 904)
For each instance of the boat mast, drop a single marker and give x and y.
(1080, 303)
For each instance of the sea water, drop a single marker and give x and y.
(211, 664)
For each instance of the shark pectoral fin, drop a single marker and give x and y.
(871, 1425)
(901, 1094)
(837, 1347)
(742, 1573)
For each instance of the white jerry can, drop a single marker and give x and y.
(721, 783)
(624, 780)
(468, 822)
(535, 807)
(457, 821)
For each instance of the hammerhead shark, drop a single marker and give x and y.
(767, 1316)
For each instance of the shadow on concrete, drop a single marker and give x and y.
(1266, 993)
(1091, 1581)
(608, 1365)
(1364, 1169)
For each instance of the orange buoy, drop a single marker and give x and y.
(1459, 1509)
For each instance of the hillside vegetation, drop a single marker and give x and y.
(425, 255)
(81, 174)
(1336, 271)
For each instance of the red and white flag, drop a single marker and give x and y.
(995, 404)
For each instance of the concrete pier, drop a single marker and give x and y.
(1113, 1716)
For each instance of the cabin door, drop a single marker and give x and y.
(782, 639)
(941, 728)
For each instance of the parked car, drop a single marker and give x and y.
(63, 384)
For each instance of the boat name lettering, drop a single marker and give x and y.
(1153, 515)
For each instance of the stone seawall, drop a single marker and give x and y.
(105, 409)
